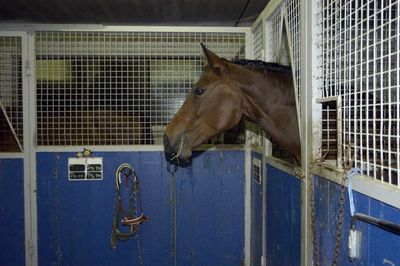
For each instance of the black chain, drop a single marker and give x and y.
(138, 247)
(312, 214)
(172, 202)
(339, 225)
(340, 219)
(138, 206)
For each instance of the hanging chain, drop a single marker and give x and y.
(137, 204)
(339, 225)
(340, 216)
(172, 202)
(312, 214)
(340, 219)
(138, 247)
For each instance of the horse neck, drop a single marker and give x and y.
(272, 108)
(262, 96)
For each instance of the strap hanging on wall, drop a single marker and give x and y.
(128, 211)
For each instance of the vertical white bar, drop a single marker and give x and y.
(389, 88)
(247, 205)
(357, 63)
(308, 9)
(350, 64)
(353, 131)
(365, 105)
(30, 107)
(248, 179)
(27, 180)
(264, 202)
(397, 52)
(374, 80)
(381, 119)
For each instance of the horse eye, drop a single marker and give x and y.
(199, 91)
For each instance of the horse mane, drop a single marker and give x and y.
(258, 64)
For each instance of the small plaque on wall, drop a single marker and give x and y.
(82, 169)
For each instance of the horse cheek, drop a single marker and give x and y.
(180, 121)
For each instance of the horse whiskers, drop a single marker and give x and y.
(179, 151)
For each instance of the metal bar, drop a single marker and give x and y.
(383, 224)
(397, 87)
(307, 23)
(30, 159)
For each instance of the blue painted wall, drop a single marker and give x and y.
(75, 218)
(256, 216)
(283, 218)
(378, 246)
(12, 223)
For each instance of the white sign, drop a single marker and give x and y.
(85, 168)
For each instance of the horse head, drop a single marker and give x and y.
(260, 92)
(213, 106)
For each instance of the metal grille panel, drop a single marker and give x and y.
(11, 116)
(118, 88)
(360, 41)
(273, 36)
(258, 42)
(284, 39)
(292, 12)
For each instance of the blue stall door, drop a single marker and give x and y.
(283, 218)
(378, 247)
(75, 218)
(12, 222)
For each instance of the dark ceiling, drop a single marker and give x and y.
(133, 12)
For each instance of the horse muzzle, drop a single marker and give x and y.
(174, 153)
(173, 158)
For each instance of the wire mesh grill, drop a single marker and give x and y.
(284, 39)
(258, 43)
(360, 51)
(293, 27)
(283, 44)
(273, 36)
(329, 142)
(11, 117)
(118, 88)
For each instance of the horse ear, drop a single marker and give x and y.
(217, 64)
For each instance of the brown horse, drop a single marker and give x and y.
(261, 92)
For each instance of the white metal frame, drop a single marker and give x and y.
(32, 28)
(28, 155)
(82, 116)
(311, 79)
(27, 33)
(359, 58)
(12, 93)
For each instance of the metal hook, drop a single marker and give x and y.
(173, 170)
(349, 160)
